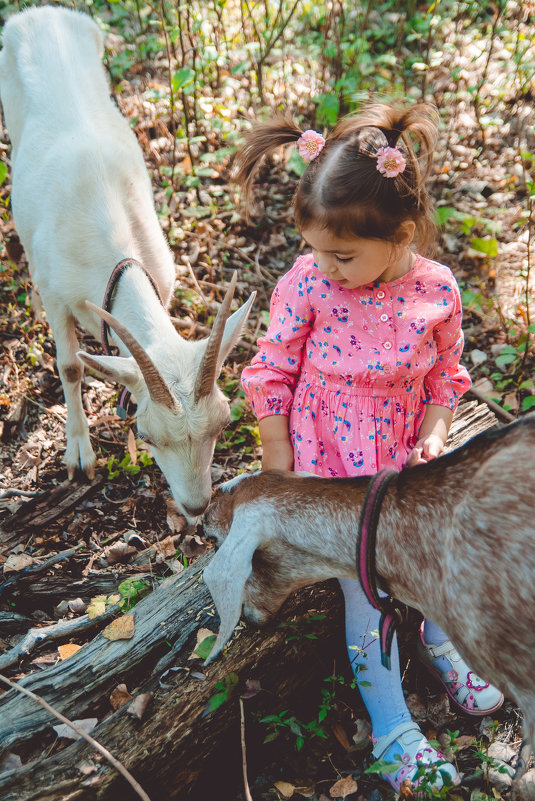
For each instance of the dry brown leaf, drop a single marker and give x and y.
(285, 789)
(175, 519)
(139, 705)
(192, 545)
(132, 447)
(119, 552)
(166, 547)
(16, 562)
(122, 628)
(464, 741)
(67, 650)
(87, 725)
(343, 787)
(340, 734)
(119, 696)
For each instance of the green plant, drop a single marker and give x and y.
(115, 466)
(283, 722)
(225, 689)
(132, 590)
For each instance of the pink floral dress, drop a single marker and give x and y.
(355, 368)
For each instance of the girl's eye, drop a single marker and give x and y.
(344, 260)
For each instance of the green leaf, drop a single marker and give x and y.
(383, 766)
(215, 702)
(528, 403)
(296, 163)
(182, 78)
(3, 172)
(505, 358)
(487, 246)
(205, 647)
(443, 214)
(328, 108)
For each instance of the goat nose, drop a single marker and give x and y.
(194, 511)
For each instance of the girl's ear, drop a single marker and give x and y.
(405, 233)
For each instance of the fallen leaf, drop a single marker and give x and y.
(203, 651)
(166, 547)
(16, 562)
(192, 545)
(340, 734)
(122, 628)
(119, 696)
(343, 787)
(119, 552)
(139, 705)
(77, 606)
(9, 761)
(362, 737)
(252, 688)
(87, 725)
(97, 606)
(65, 651)
(464, 741)
(132, 447)
(175, 519)
(285, 789)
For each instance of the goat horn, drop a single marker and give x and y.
(158, 389)
(206, 375)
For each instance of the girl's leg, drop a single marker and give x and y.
(384, 699)
(396, 738)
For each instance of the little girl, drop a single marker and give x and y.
(360, 367)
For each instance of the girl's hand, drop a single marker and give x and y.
(426, 449)
(277, 455)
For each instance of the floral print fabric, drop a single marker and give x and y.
(355, 368)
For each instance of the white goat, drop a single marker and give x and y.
(82, 203)
(455, 539)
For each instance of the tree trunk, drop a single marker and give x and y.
(176, 751)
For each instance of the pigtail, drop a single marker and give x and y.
(261, 141)
(416, 127)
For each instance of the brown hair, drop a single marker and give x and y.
(341, 189)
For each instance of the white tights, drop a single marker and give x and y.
(384, 697)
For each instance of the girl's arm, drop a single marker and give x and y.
(278, 453)
(432, 436)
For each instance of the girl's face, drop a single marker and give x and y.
(354, 261)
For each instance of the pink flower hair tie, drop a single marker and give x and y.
(310, 144)
(390, 161)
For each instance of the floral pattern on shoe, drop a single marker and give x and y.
(468, 690)
(407, 746)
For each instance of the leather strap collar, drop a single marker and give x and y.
(124, 395)
(391, 610)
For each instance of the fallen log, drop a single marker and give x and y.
(175, 751)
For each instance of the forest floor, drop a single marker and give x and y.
(129, 506)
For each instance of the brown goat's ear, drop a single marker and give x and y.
(225, 577)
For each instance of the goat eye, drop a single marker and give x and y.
(145, 438)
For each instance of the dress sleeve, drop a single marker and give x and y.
(448, 380)
(270, 380)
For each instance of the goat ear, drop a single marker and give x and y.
(233, 329)
(115, 368)
(225, 576)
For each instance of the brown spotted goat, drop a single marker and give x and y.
(455, 539)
